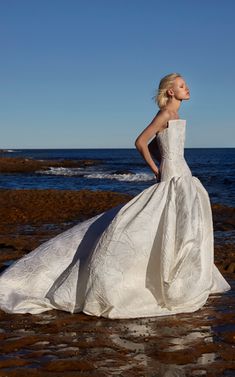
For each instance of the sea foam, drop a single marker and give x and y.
(127, 177)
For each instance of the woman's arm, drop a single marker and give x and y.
(141, 143)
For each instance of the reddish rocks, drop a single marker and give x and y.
(59, 343)
(29, 217)
(20, 165)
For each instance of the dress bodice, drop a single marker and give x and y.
(171, 146)
(171, 139)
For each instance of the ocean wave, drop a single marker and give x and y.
(130, 177)
(62, 171)
(127, 177)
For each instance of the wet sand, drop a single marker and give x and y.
(57, 343)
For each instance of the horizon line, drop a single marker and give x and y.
(7, 150)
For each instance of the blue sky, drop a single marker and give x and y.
(79, 74)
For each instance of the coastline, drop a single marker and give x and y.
(21, 165)
(29, 212)
(29, 217)
(58, 343)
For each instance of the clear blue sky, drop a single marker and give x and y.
(78, 74)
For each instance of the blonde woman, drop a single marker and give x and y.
(171, 92)
(153, 256)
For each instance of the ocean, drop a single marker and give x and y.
(123, 170)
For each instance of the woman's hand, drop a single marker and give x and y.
(157, 175)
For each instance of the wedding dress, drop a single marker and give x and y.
(153, 256)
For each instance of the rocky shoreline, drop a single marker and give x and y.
(22, 165)
(58, 343)
(28, 217)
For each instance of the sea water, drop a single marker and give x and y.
(123, 170)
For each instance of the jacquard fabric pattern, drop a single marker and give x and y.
(153, 256)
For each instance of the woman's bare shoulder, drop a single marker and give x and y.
(162, 117)
(166, 114)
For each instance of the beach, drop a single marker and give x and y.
(58, 343)
(117, 151)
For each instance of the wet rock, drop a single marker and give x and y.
(231, 267)
(22, 165)
(58, 343)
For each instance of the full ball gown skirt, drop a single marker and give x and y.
(153, 256)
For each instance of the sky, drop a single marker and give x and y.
(82, 73)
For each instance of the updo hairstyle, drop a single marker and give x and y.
(161, 97)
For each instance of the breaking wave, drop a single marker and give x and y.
(128, 177)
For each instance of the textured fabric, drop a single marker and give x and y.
(150, 257)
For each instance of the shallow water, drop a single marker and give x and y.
(59, 343)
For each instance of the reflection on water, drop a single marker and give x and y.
(164, 340)
(207, 358)
(170, 371)
(185, 341)
(184, 345)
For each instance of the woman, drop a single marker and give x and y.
(172, 90)
(153, 256)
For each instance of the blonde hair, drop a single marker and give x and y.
(161, 97)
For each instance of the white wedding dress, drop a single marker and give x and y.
(153, 256)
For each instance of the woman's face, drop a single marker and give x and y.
(180, 89)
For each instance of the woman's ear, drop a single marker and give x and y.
(170, 92)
